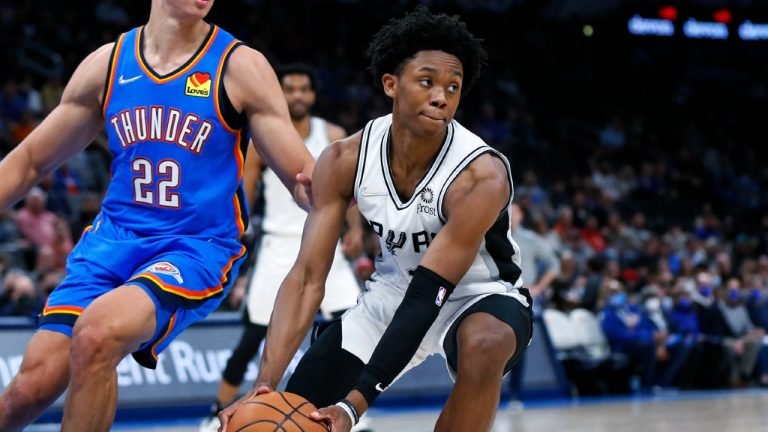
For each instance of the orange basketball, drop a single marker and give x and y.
(275, 411)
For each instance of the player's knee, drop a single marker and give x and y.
(487, 348)
(92, 345)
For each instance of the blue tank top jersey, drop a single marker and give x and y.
(178, 145)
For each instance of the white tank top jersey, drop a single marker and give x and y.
(406, 228)
(282, 216)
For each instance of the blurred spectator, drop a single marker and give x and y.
(35, 223)
(19, 297)
(743, 338)
(539, 263)
(629, 331)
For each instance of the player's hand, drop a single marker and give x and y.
(335, 417)
(226, 414)
(304, 193)
(352, 243)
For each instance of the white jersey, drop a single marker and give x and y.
(282, 216)
(406, 228)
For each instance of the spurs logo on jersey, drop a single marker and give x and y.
(407, 228)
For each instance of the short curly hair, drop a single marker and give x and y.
(401, 39)
(297, 69)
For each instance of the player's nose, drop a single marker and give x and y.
(437, 97)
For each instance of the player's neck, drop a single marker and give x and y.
(413, 152)
(303, 125)
(166, 37)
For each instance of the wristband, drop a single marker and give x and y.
(350, 410)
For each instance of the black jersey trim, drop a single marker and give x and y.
(110, 80)
(363, 151)
(192, 59)
(235, 120)
(386, 168)
(500, 248)
(474, 154)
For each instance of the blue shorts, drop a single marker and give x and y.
(186, 276)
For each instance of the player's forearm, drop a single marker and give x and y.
(18, 174)
(295, 309)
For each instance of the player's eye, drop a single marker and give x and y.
(426, 82)
(453, 88)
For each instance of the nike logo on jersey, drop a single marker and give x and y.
(380, 388)
(123, 81)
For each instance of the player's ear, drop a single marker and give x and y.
(389, 83)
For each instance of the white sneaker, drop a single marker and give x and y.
(210, 424)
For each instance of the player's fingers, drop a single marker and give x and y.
(224, 419)
(303, 179)
(323, 414)
(263, 390)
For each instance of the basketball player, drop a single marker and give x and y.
(448, 279)
(175, 95)
(282, 226)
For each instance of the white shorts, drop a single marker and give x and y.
(363, 326)
(277, 255)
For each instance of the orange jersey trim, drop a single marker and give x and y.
(239, 157)
(171, 324)
(191, 294)
(111, 77)
(73, 310)
(183, 292)
(219, 77)
(147, 70)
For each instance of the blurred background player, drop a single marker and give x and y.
(175, 95)
(448, 279)
(282, 226)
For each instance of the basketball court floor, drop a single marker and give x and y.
(731, 411)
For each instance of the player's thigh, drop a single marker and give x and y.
(119, 320)
(326, 372)
(487, 330)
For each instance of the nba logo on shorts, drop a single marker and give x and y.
(440, 296)
(198, 84)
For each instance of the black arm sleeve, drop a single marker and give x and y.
(421, 304)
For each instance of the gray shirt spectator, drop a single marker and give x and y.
(533, 248)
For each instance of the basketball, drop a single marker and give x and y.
(275, 411)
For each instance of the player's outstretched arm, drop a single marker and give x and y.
(254, 89)
(70, 127)
(472, 205)
(302, 290)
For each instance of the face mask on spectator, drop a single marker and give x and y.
(684, 304)
(705, 291)
(734, 295)
(653, 304)
(756, 294)
(618, 300)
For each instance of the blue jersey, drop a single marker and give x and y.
(178, 145)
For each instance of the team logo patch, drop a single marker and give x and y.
(166, 268)
(427, 195)
(198, 84)
(440, 296)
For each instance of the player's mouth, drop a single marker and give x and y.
(433, 118)
(203, 3)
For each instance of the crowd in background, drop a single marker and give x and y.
(640, 189)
